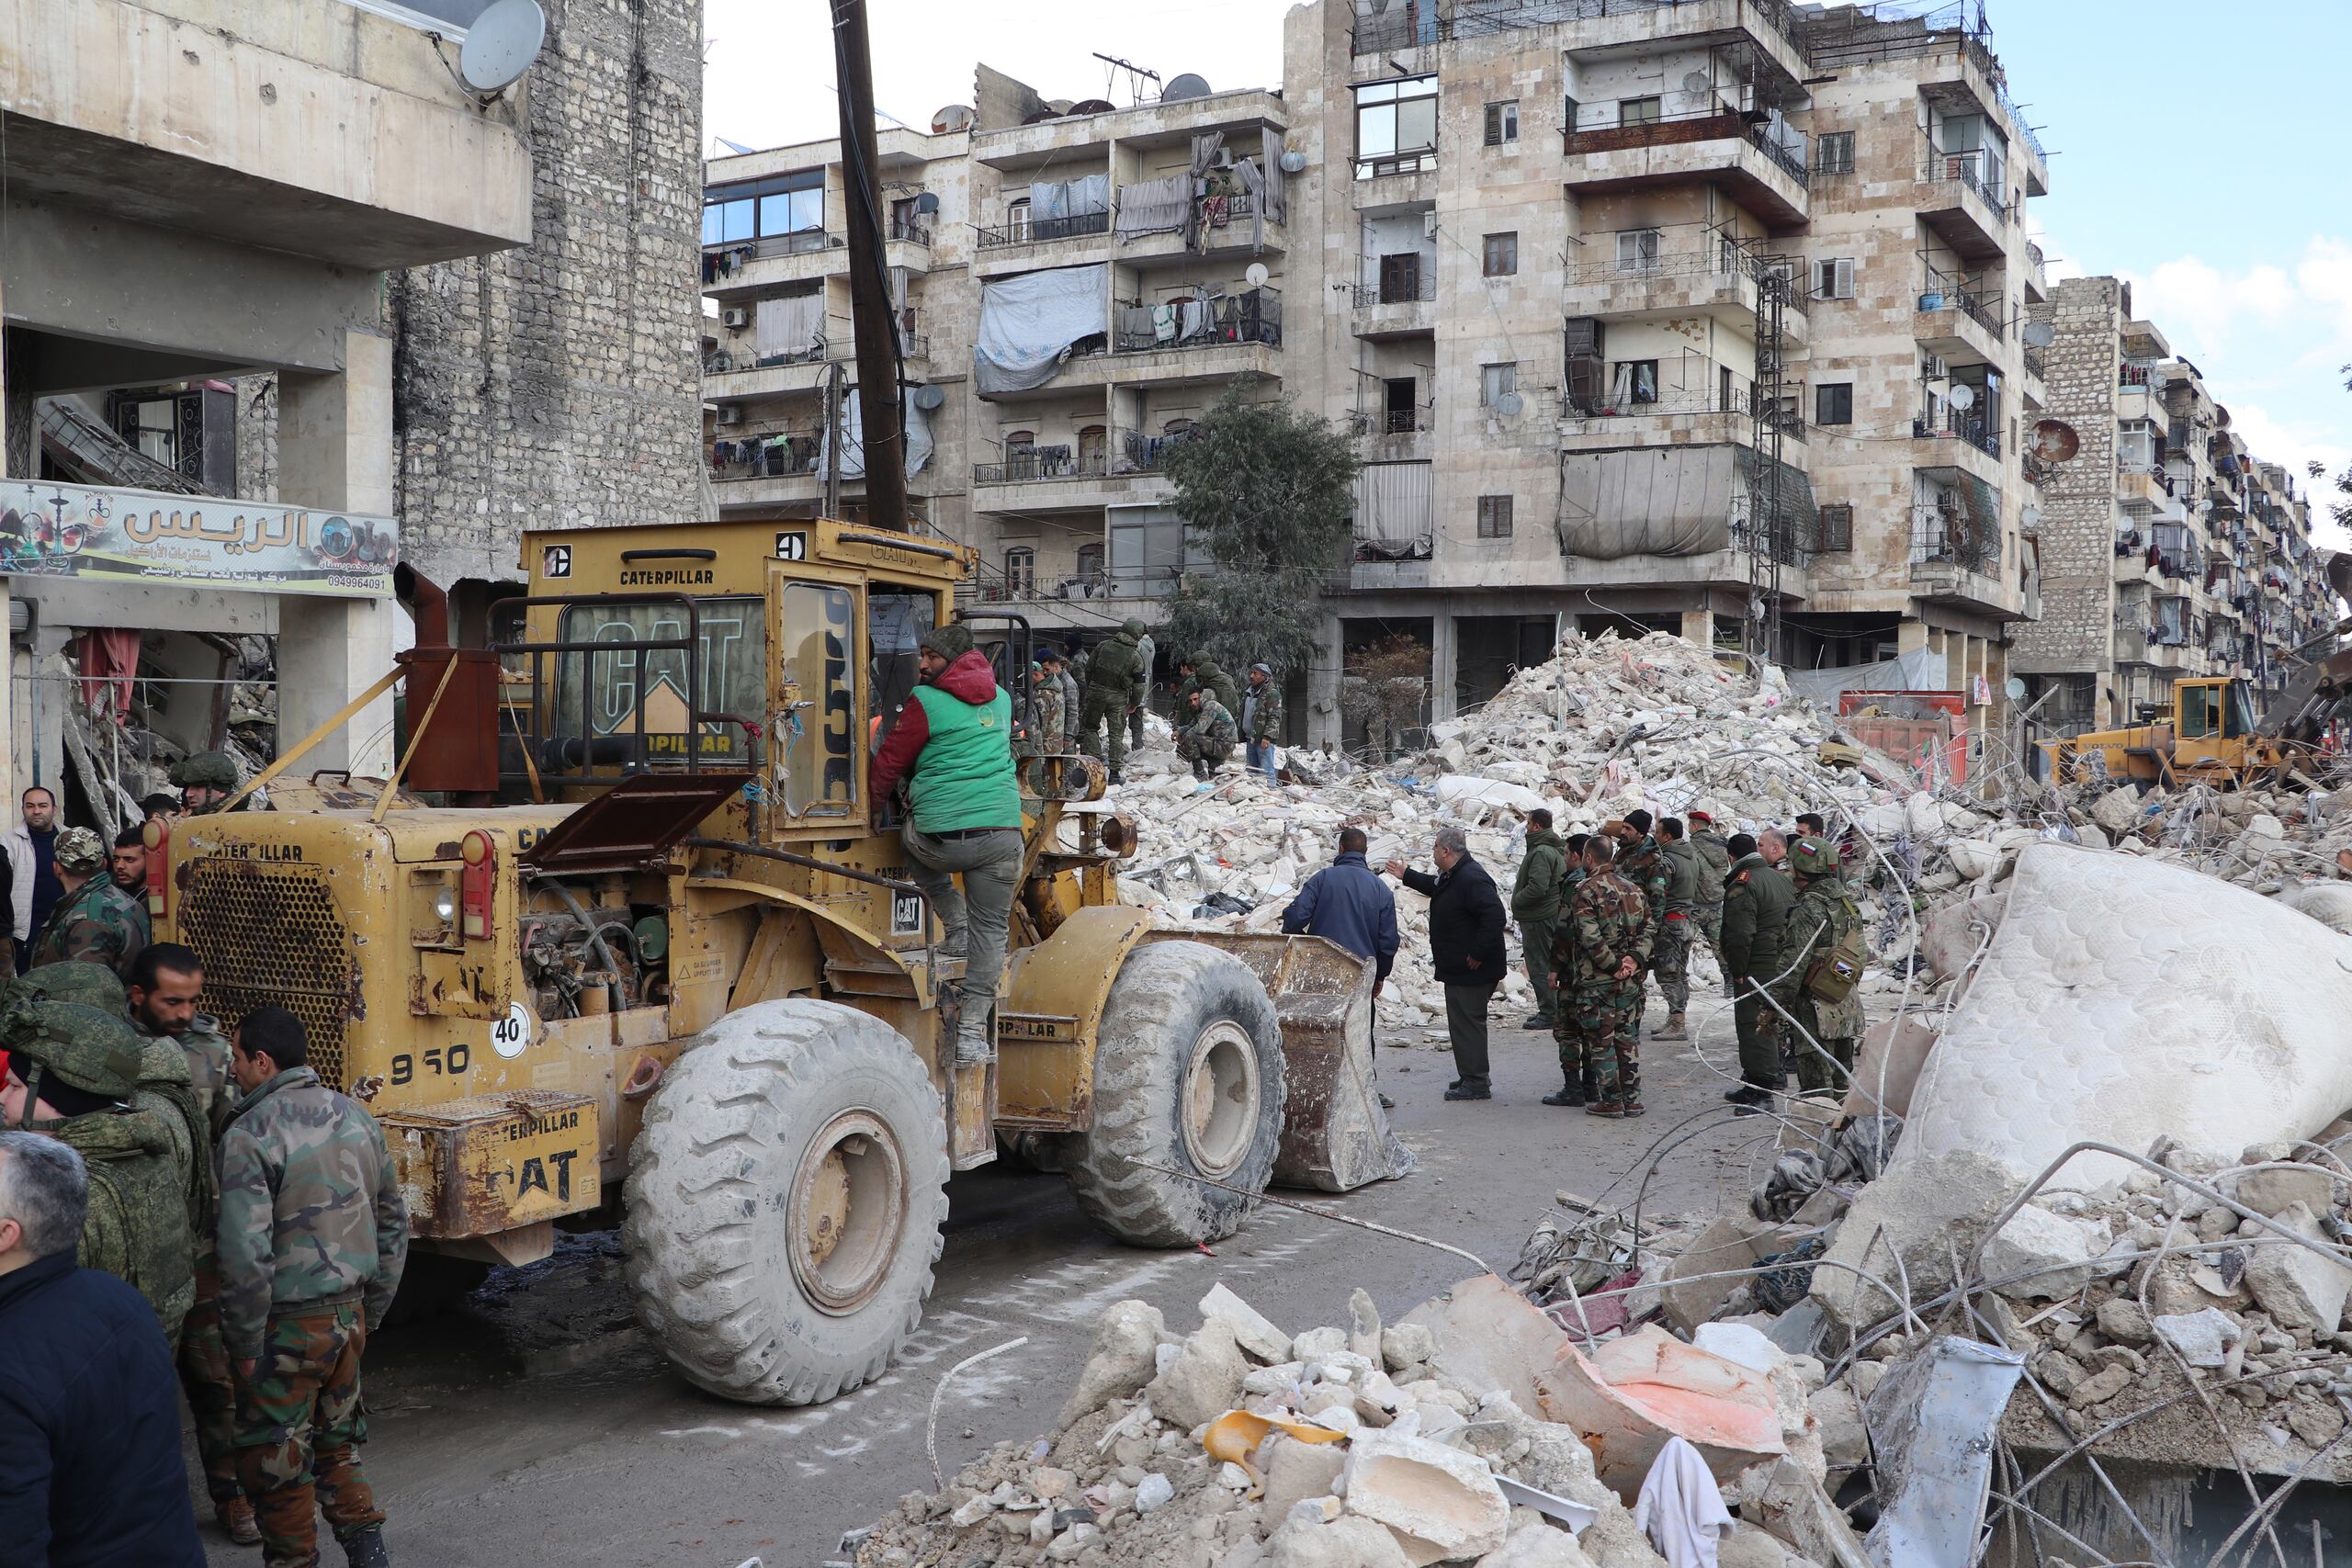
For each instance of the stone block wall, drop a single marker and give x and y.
(2076, 634)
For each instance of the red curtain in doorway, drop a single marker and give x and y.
(109, 660)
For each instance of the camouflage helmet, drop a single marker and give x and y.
(80, 851)
(1132, 627)
(93, 1051)
(1814, 857)
(213, 770)
(93, 984)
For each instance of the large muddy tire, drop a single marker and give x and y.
(785, 1202)
(1188, 1076)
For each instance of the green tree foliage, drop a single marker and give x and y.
(1265, 493)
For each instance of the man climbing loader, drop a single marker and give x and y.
(690, 951)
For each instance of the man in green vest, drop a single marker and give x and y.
(1536, 903)
(953, 747)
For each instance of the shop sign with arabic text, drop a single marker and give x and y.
(103, 535)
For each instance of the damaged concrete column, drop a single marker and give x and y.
(334, 452)
(1698, 626)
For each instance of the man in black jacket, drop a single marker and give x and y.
(90, 1469)
(1465, 952)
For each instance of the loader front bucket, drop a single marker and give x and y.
(1335, 1136)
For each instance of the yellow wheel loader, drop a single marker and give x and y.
(653, 936)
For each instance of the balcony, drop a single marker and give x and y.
(1959, 325)
(1968, 209)
(1956, 556)
(1703, 404)
(1059, 479)
(1224, 228)
(1033, 242)
(2037, 275)
(725, 379)
(1970, 447)
(1763, 176)
(1717, 279)
(748, 266)
(1399, 306)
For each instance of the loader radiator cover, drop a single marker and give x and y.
(272, 934)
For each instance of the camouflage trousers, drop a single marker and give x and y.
(1206, 756)
(1813, 1071)
(1101, 708)
(299, 1422)
(211, 1385)
(1598, 1030)
(1710, 919)
(1670, 961)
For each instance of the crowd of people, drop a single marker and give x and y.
(183, 1205)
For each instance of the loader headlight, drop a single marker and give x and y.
(444, 905)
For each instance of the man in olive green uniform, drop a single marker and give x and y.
(1756, 901)
(206, 781)
(1211, 678)
(1714, 867)
(1114, 683)
(73, 1073)
(1672, 960)
(1055, 716)
(1641, 860)
(95, 921)
(1535, 905)
(314, 1236)
(1208, 736)
(1261, 719)
(1597, 956)
(1824, 916)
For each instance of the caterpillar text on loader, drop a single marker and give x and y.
(661, 938)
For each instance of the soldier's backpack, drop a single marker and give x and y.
(1837, 969)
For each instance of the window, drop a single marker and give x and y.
(603, 695)
(1502, 256)
(2200, 711)
(1497, 382)
(1637, 111)
(1400, 405)
(1835, 152)
(1016, 220)
(1021, 569)
(1837, 527)
(1502, 122)
(1637, 250)
(1395, 124)
(1633, 381)
(1833, 403)
(1400, 279)
(1494, 517)
(758, 209)
(1834, 279)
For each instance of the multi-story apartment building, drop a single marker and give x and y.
(2168, 549)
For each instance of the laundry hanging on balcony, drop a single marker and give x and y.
(1030, 321)
(854, 440)
(787, 328)
(1153, 206)
(1079, 198)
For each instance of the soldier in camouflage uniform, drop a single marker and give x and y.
(1597, 955)
(1115, 679)
(1641, 860)
(1054, 706)
(1676, 930)
(73, 1073)
(95, 921)
(1207, 740)
(205, 781)
(1714, 867)
(313, 1235)
(1262, 705)
(1824, 915)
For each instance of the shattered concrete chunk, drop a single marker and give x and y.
(1920, 1210)
(1251, 1330)
(2298, 1287)
(2202, 1337)
(1295, 1471)
(1124, 1357)
(1204, 1379)
(1537, 1546)
(1407, 1345)
(2121, 1318)
(1345, 1542)
(2269, 1191)
(2037, 1254)
(1443, 1499)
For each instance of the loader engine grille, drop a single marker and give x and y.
(271, 933)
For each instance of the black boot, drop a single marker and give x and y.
(365, 1549)
(1571, 1093)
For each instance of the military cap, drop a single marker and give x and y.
(1814, 857)
(80, 850)
(214, 770)
(79, 1045)
(93, 985)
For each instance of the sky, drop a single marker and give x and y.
(2195, 149)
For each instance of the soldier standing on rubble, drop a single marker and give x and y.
(1536, 901)
(1115, 684)
(1057, 701)
(1641, 860)
(1671, 959)
(1598, 960)
(1261, 718)
(95, 921)
(1715, 864)
(1824, 915)
(1756, 901)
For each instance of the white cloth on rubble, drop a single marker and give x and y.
(1680, 1509)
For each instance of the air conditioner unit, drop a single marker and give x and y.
(737, 316)
(1933, 368)
(1428, 225)
(730, 413)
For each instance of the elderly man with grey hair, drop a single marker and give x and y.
(90, 1465)
(1465, 952)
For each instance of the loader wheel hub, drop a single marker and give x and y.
(848, 1207)
(1220, 1101)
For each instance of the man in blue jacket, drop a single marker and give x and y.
(1348, 902)
(90, 1469)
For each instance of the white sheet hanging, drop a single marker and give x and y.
(1028, 322)
(787, 326)
(918, 441)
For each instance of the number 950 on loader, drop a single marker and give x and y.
(626, 920)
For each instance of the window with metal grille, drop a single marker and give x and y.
(1502, 122)
(1502, 256)
(1494, 517)
(1836, 529)
(1833, 403)
(1021, 568)
(1834, 153)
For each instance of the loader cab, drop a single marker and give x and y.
(2212, 720)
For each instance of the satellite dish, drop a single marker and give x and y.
(2054, 441)
(1510, 404)
(2015, 688)
(927, 203)
(1091, 105)
(501, 44)
(952, 118)
(2038, 334)
(1257, 274)
(1185, 87)
(2221, 417)
(929, 398)
(1695, 81)
(2029, 519)
(1964, 396)
(1292, 162)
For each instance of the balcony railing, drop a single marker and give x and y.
(2035, 364)
(800, 242)
(1980, 433)
(1415, 161)
(1974, 171)
(1389, 421)
(725, 361)
(1418, 23)
(1419, 288)
(1143, 454)
(1036, 230)
(1253, 316)
(763, 457)
(1041, 465)
(1721, 258)
(1666, 131)
(913, 231)
(1943, 536)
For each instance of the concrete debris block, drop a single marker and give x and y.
(2038, 1256)
(2175, 1290)
(1318, 1343)
(2099, 1387)
(1444, 1500)
(1124, 1358)
(2118, 810)
(1973, 858)
(1153, 1492)
(1887, 1064)
(1251, 1331)
(1636, 1391)
(1489, 1339)
(1204, 1379)
(1537, 1546)
(1750, 1547)
(1364, 1337)
(2273, 1188)
(1407, 1345)
(1845, 1440)
(2202, 1337)
(1782, 1499)
(1344, 1542)
(2318, 1425)
(1295, 1471)
(1954, 935)
(1050, 1483)
(1921, 1209)
(2125, 1321)
(1735, 1240)
(2264, 826)
(2298, 1287)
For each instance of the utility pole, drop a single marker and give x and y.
(881, 416)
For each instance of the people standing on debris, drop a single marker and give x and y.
(1146, 652)
(1208, 736)
(33, 887)
(73, 1070)
(1603, 945)
(1756, 901)
(206, 781)
(1671, 950)
(127, 862)
(953, 745)
(1261, 719)
(1057, 701)
(1641, 860)
(1826, 960)
(95, 921)
(1715, 863)
(90, 1466)
(1114, 685)
(313, 1237)
(1076, 661)
(1347, 902)
(1465, 952)
(1535, 904)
